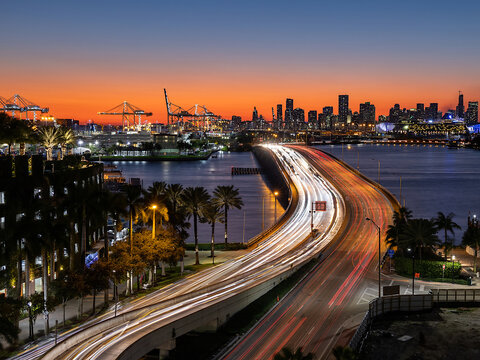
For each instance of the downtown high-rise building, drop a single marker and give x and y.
(471, 115)
(367, 113)
(431, 112)
(289, 114)
(460, 110)
(312, 119)
(279, 114)
(420, 113)
(342, 108)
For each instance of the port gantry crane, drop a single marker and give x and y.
(129, 115)
(198, 116)
(20, 104)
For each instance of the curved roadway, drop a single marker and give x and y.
(290, 246)
(325, 308)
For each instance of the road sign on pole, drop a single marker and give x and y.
(320, 206)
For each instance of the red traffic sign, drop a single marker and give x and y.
(417, 275)
(443, 266)
(320, 206)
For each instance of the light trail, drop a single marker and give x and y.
(290, 245)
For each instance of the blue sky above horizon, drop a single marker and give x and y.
(83, 57)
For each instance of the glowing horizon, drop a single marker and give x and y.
(91, 56)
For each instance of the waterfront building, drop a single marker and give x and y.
(471, 115)
(342, 108)
(40, 200)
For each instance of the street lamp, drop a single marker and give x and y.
(30, 324)
(379, 256)
(115, 291)
(453, 266)
(413, 270)
(275, 194)
(153, 227)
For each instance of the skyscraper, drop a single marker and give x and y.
(289, 114)
(279, 114)
(367, 113)
(312, 119)
(342, 108)
(420, 114)
(471, 115)
(460, 111)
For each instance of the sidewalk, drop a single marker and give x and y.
(71, 309)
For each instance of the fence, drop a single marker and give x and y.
(412, 303)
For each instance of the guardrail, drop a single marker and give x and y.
(449, 296)
(292, 204)
(412, 303)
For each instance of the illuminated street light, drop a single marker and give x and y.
(275, 194)
(379, 256)
(153, 227)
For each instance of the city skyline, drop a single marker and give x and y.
(82, 59)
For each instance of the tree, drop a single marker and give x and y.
(97, 277)
(64, 288)
(288, 354)
(66, 137)
(49, 137)
(213, 214)
(135, 206)
(446, 223)
(36, 305)
(227, 197)
(343, 353)
(9, 316)
(471, 237)
(400, 219)
(419, 234)
(15, 131)
(195, 200)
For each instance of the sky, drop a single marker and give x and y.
(82, 57)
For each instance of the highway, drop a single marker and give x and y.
(288, 247)
(325, 308)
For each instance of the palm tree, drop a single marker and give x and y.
(135, 207)
(471, 237)
(15, 131)
(155, 196)
(49, 137)
(227, 197)
(288, 354)
(446, 223)
(400, 219)
(213, 214)
(66, 137)
(195, 200)
(174, 200)
(419, 234)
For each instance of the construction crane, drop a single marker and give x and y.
(20, 104)
(196, 113)
(129, 115)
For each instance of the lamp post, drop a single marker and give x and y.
(153, 227)
(115, 291)
(413, 270)
(275, 194)
(30, 323)
(379, 256)
(453, 266)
